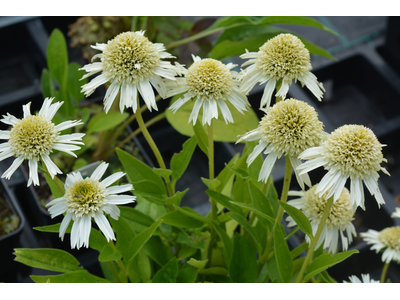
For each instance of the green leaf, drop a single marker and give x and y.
(179, 219)
(222, 132)
(180, 161)
(80, 276)
(197, 130)
(226, 241)
(246, 225)
(260, 202)
(225, 201)
(256, 211)
(192, 213)
(194, 241)
(164, 173)
(139, 270)
(47, 259)
(104, 121)
(74, 83)
(134, 215)
(243, 264)
(124, 236)
(48, 89)
(325, 261)
(299, 249)
(199, 264)
(142, 177)
(157, 250)
(108, 254)
(55, 190)
(168, 273)
(215, 271)
(283, 258)
(57, 57)
(177, 198)
(187, 275)
(186, 251)
(97, 241)
(299, 217)
(53, 228)
(139, 240)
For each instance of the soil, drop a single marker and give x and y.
(8, 220)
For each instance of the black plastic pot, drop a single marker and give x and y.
(9, 268)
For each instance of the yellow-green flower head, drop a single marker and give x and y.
(387, 239)
(283, 58)
(350, 151)
(210, 83)
(289, 128)
(89, 198)
(339, 218)
(132, 64)
(34, 137)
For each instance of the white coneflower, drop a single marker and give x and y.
(210, 83)
(388, 239)
(34, 137)
(396, 214)
(350, 151)
(89, 198)
(131, 63)
(365, 278)
(289, 127)
(338, 221)
(283, 58)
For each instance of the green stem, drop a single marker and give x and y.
(134, 22)
(119, 262)
(199, 36)
(285, 189)
(114, 271)
(384, 271)
(42, 167)
(315, 239)
(153, 146)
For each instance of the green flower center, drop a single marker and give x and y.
(341, 213)
(130, 58)
(290, 127)
(85, 196)
(354, 150)
(209, 78)
(32, 137)
(390, 237)
(284, 56)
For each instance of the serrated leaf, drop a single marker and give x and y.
(299, 217)
(324, 261)
(168, 273)
(104, 121)
(180, 161)
(243, 264)
(57, 57)
(80, 276)
(283, 258)
(47, 259)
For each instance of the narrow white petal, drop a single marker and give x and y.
(111, 93)
(91, 86)
(57, 209)
(195, 110)
(71, 138)
(4, 134)
(312, 84)
(327, 181)
(9, 120)
(6, 152)
(104, 226)
(120, 189)
(120, 199)
(75, 231)
(67, 124)
(112, 178)
(252, 135)
(267, 167)
(311, 153)
(14, 166)
(226, 113)
(66, 148)
(268, 90)
(112, 210)
(166, 73)
(256, 151)
(86, 226)
(373, 188)
(51, 166)
(311, 165)
(27, 109)
(99, 171)
(64, 225)
(181, 101)
(123, 97)
(159, 85)
(283, 89)
(250, 80)
(147, 93)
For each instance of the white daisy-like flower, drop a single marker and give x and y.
(351, 151)
(132, 64)
(89, 198)
(289, 128)
(210, 83)
(283, 58)
(34, 137)
(396, 214)
(388, 240)
(338, 221)
(365, 278)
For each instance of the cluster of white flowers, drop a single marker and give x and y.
(133, 65)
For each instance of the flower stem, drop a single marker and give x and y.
(285, 189)
(384, 271)
(119, 262)
(114, 271)
(315, 239)
(211, 167)
(153, 147)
